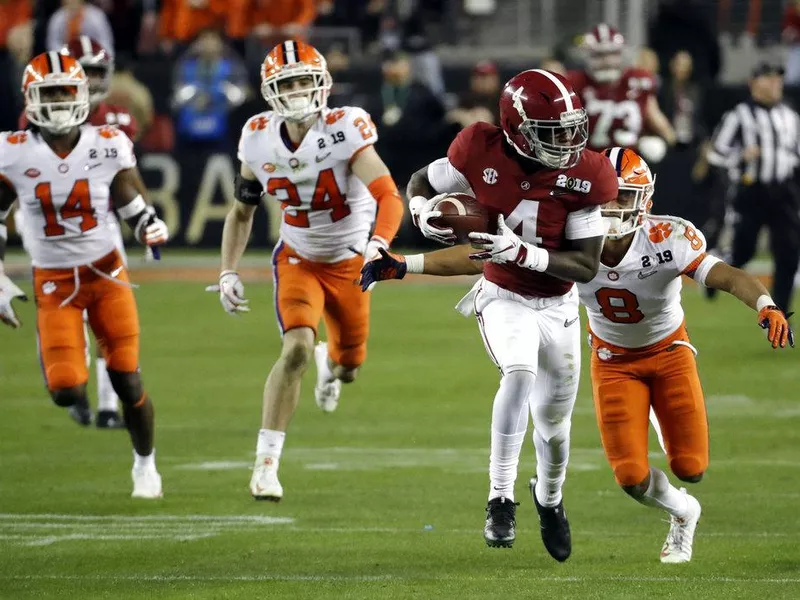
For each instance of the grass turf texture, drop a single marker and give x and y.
(385, 497)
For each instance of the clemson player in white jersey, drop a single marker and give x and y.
(321, 165)
(641, 353)
(63, 174)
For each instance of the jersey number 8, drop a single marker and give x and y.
(619, 306)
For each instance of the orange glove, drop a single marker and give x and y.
(774, 321)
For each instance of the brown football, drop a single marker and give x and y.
(463, 214)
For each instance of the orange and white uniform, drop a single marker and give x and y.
(641, 354)
(327, 213)
(65, 204)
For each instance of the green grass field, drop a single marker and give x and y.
(385, 497)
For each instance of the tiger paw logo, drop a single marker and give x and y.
(20, 137)
(659, 232)
(108, 131)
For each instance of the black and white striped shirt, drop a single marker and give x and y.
(775, 130)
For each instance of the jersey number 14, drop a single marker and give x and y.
(78, 204)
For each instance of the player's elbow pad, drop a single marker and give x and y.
(247, 191)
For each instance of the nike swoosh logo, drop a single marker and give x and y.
(568, 322)
(89, 167)
(116, 271)
(646, 275)
(319, 159)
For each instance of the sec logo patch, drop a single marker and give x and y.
(490, 176)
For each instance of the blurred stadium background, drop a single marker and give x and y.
(386, 496)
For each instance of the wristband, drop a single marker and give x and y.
(763, 301)
(415, 263)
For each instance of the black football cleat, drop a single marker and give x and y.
(500, 530)
(81, 414)
(109, 419)
(554, 526)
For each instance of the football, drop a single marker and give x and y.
(463, 214)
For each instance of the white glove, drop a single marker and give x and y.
(150, 230)
(231, 293)
(9, 291)
(375, 244)
(422, 210)
(506, 247)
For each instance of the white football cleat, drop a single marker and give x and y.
(678, 546)
(146, 483)
(264, 484)
(326, 392)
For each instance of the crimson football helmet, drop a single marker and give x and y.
(543, 118)
(97, 63)
(627, 212)
(604, 46)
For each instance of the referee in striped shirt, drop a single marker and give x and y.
(758, 143)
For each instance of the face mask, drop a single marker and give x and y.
(298, 103)
(613, 225)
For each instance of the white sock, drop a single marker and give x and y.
(662, 494)
(324, 372)
(270, 443)
(503, 464)
(144, 462)
(509, 421)
(106, 396)
(551, 467)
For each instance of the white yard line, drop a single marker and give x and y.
(531, 576)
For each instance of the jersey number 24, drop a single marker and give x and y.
(327, 196)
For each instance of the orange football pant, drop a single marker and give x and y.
(307, 291)
(663, 375)
(112, 316)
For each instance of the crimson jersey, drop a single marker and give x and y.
(616, 110)
(105, 114)
(535, 201)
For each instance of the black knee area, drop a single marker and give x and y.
(297, 356)
(67, 397)
(128, 386)
(637, 491)
(690, 478)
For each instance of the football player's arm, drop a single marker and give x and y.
(128, 195)
(235, 233)
(425, 188)
(744, 286)
(579, 263)
(658, 121)
(8, 289)
(373, 172)
(443, 263)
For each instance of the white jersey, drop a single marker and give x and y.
(326, 209)
(65, 202)
(638, 302)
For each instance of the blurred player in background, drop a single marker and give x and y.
(641, 353)
(534, 172)
(66, 176)
(321, 165)
(98, 64)
(620, 101)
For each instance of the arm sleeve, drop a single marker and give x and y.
(584, 223)
(444, 177)
(724, 140)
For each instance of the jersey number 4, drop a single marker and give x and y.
(327, 196)
(619, 306)
(78, 204)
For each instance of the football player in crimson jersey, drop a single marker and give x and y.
(642, 358)
(535, 173)
(340, 204)
(98, 65)
(65, 176)
(620, 102)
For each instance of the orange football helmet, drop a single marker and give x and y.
(56, 92)
(293, 60)
(627, 213)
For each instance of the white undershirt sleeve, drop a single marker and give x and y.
(444, 177)
(704, 268)
(584, 223)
